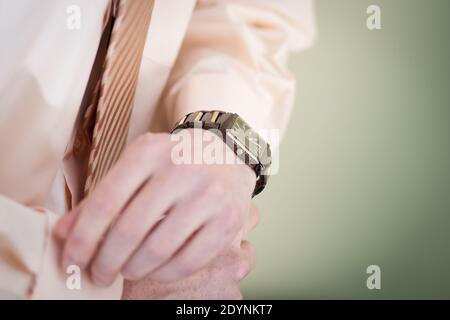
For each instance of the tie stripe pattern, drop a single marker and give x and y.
(118, 86)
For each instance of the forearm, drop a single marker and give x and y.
(239, 65)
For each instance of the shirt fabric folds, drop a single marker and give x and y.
(211, 54)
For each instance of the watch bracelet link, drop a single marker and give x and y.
(219, 121)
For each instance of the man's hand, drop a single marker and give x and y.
(219, 280)
(151, 216)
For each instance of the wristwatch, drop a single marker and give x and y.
(238, 135)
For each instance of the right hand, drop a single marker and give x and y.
(220, 280)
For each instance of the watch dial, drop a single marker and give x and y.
(247, 138)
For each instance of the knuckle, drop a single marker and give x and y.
(153, 139)
(216, 190)
(187, 172)
(202, 171)
(146, 143)
(178, 171)
(146, 139)
(98, 206)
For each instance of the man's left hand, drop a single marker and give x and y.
(149, 216)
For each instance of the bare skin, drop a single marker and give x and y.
(151, 218)
(219, 280)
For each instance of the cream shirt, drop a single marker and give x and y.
(228, 55)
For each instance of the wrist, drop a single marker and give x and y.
(214, 151)
(237, 135)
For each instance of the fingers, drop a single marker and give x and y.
(248, 260)
(167, 238)
(199, 251)
(138, 219)
(102, 206)
(65, 224)
(253, 218)
(150, 216)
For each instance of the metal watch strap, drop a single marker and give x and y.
(218, 121)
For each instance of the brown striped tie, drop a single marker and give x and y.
(115, 95)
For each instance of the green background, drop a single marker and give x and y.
(364, 176)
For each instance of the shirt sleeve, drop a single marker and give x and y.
(36, 119)
(22, 242)
(234, 58)
(29, 259)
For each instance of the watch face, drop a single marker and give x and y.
(248, 140)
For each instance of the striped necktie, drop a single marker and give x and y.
(113, 98)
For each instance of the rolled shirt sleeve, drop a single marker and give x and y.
(234, 58)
